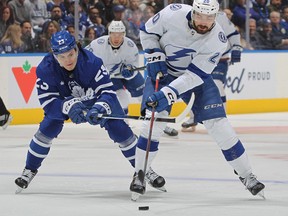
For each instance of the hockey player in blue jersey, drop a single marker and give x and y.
(73, 83)
(185, 44)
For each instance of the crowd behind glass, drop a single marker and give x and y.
(27, 25)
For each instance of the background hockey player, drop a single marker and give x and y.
(185, 43)
(71, 82)
(5, 116)
(120, 57)
(230, 56)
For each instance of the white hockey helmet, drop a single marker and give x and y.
(116, 26)
(207, 7)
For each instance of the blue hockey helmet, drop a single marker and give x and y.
(62, 42)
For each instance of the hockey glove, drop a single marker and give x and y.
(156, 63)
(126, 71)
(75, 109)
(98, 108)
(236, 54)
(162, 99)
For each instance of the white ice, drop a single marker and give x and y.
(85, 173)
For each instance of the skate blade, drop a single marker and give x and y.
(163, 189)
(261, 194)
(171, 137)
(135, 196)
(189, 129)
(18, 190)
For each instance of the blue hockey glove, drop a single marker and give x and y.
(75, 110)
(156, 63)
(236, 54)
(162, 99)
(126, 71)
(98, 108)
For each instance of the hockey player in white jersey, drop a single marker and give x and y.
(231, 55)
(120, 56)
(185, 44)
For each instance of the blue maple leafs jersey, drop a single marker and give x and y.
(89, 81)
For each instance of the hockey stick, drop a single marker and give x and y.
(177, 119)
(141, 178)
(139, 68)
(132, 70)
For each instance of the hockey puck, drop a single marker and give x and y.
(143, 208)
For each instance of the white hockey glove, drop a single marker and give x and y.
(162, 99)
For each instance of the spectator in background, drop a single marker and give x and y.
(285, 17)
(228, 13)
(39, 12)
(3, 3)
(245, 45)
(148, 12)
(94, 20)
(6, 19)
(105, 8)
(21, 10)
(254, 35)
(125, 3)
(44, 38)
(70, 18)
(278, 30)
(133, 5)
(26, 37)
(118, 12)
(5, 116)
(267, 39)
(59, 3)
(134, 23)
(85, 5)
(11, 41)
(90, 35)
(239, 14)
(71, 30)
(260, 7)
(275, 5)
(156, 4)
(56, 15)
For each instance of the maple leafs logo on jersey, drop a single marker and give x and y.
(79, 92)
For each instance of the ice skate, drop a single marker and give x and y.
(154, 180)
(138, 185)
(253, 185)
(170, 131)
(25, 179)
(5, 120)
(189, 125)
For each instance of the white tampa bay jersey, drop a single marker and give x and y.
(114, 59)
(230, 31)
(185, 49)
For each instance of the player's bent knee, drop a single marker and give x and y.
(222, 132)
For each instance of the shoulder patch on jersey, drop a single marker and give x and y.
(130, 43)
(155, 18)
(100, 41)
(175, 7)
(222, 37)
